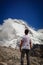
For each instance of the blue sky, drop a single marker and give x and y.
(30, 11)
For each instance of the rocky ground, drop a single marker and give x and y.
(11, 56)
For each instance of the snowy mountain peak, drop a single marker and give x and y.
(13, 29)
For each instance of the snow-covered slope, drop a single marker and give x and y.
(12, 31)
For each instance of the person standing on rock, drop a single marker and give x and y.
(25, 46)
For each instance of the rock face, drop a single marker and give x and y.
(37, 50)
(3, 63)
(11, 56)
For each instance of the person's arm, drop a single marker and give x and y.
(30, 44)
(21, 45)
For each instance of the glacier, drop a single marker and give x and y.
(12, 30)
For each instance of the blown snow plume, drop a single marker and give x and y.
(12, 31)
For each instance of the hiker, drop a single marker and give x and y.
(25, 46)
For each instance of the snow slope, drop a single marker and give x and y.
(12, 31)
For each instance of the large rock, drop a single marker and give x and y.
(3, 63)
(37, 50)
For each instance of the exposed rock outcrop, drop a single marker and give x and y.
(11, 56)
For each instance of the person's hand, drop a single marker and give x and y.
(20, 49)
(30, 44)
(21, 44)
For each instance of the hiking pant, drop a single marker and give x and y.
(23, 52)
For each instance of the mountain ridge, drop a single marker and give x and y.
(12, 31)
